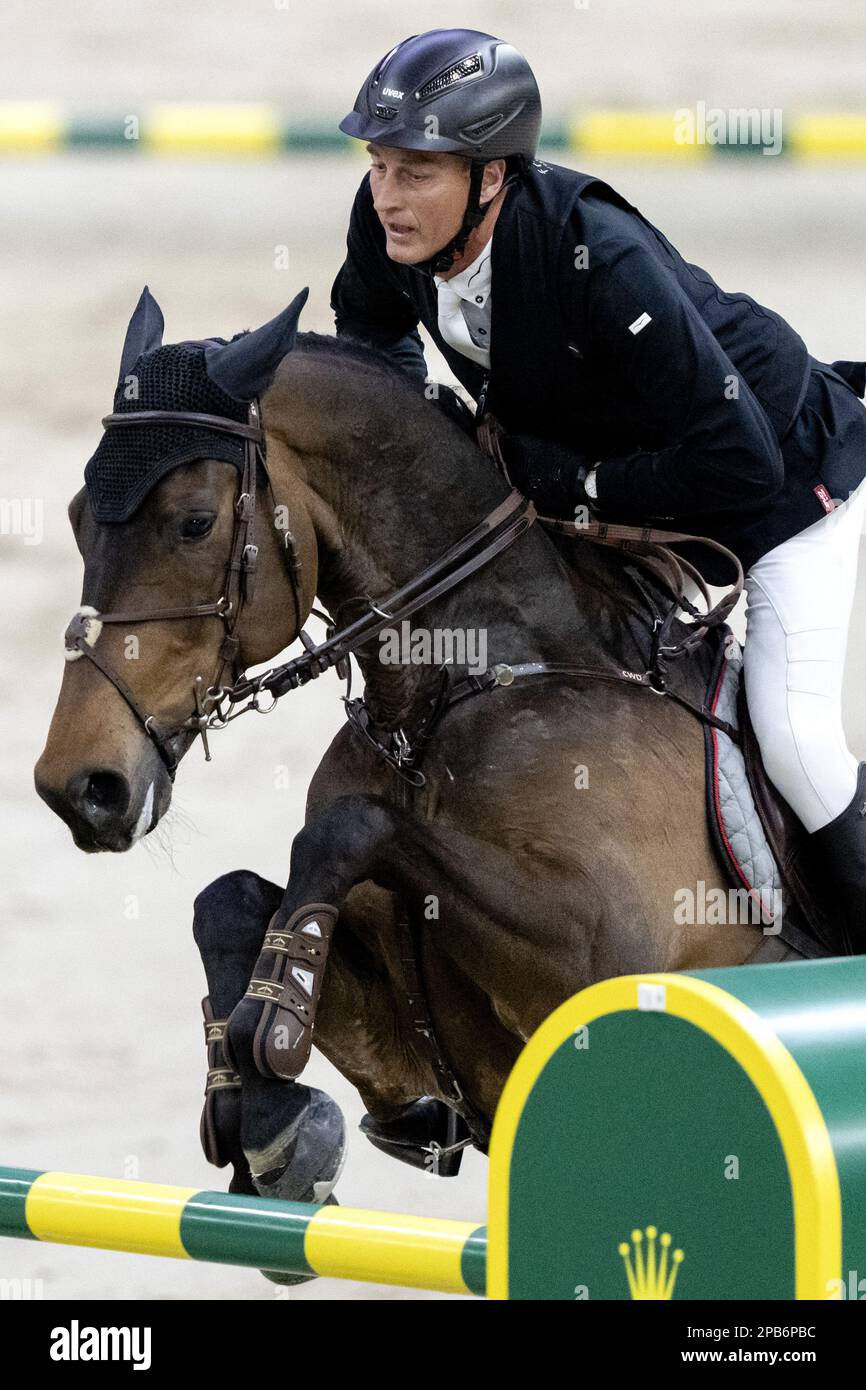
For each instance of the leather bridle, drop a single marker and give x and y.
(217, 704)
(83, 631)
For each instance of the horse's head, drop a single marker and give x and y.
(183, 546)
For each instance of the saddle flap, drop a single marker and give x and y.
(788, 839)
(760, 841)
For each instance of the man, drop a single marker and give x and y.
(626, 380)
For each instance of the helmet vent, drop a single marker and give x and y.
(385, 113)
(448, 77)
(374, 80)
(481, 129)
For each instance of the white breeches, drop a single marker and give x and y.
(799, 601)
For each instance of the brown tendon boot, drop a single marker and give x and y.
(287, 983)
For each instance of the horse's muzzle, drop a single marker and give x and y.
(100, 809)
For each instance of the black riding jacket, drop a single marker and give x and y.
(704, 409)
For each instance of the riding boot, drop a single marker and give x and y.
(426, 1133)
(839, 851)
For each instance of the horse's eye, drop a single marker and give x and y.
(195, 528)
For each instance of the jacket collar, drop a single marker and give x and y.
(474, 281)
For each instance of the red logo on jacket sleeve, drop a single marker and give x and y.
(824, 498)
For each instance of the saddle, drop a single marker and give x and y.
(761, 843)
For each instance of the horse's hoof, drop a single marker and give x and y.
(304, 1161)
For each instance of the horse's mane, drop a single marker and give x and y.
(605, 565)
(354, 349)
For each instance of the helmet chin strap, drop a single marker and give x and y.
(473, 216)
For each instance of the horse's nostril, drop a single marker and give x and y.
(106, 790)
(100, 794)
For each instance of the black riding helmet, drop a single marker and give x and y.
(457, 91)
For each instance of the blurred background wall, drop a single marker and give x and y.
(624, 52)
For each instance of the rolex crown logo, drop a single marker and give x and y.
(651, 1272)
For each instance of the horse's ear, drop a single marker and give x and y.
(144, 333)
(246, 366)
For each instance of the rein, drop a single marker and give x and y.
(217, 704)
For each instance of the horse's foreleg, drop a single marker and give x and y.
(282, 1138)
(227, 929)
(516, 943)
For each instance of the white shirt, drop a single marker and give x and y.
(464, 312)
(464, 308)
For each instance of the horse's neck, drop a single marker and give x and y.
(375, 531)
(390, 485)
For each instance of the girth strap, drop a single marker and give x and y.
(417, 1011)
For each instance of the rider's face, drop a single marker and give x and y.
(419, 198)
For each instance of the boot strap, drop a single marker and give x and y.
(221, 1076)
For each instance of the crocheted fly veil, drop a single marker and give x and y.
(211, 377)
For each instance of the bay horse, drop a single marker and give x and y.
(555, 822)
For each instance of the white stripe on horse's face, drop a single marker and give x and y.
(142, 825)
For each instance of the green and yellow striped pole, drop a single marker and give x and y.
(260, 129)
(379, 1247)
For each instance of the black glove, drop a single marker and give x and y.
(552, 475)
